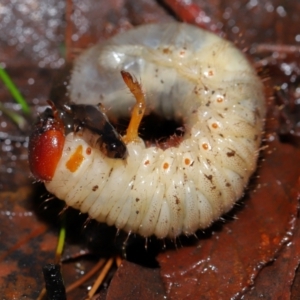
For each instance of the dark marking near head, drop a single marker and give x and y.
(93, 118)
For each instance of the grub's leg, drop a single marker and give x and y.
(190, 12)
(56, 115)
(138, 109)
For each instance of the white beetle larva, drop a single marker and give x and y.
(187, 74)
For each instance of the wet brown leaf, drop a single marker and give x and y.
(132, 281)
(24, 240)
(275, 280)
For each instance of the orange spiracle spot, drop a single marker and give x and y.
(45, 148)
(205, 146)
(75, 160)
(165, 166)
(210, 73)
(214, 125)
(187, 161)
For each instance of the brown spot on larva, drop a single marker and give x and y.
(209, 177)
(221, 116)
(137, 199)
(161, 81)
(147, 162)
(137, 212)
(177, 201)
(214, 125)
(219, 99)
(208, 104)
(230, 154)
(110, 171)
(167, 51)
(187, 161)
(255, 137)
(228, 184)
(205, 146)
(208, 161)
(95, 188)
(165, 166)
(75, 160)
(88, 150)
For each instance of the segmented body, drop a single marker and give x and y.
(187, 74)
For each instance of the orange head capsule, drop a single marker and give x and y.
(46, 144)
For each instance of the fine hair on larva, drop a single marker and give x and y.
(186, 74)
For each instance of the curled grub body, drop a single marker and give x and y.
(187, 74)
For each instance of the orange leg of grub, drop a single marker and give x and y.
(138, 109)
